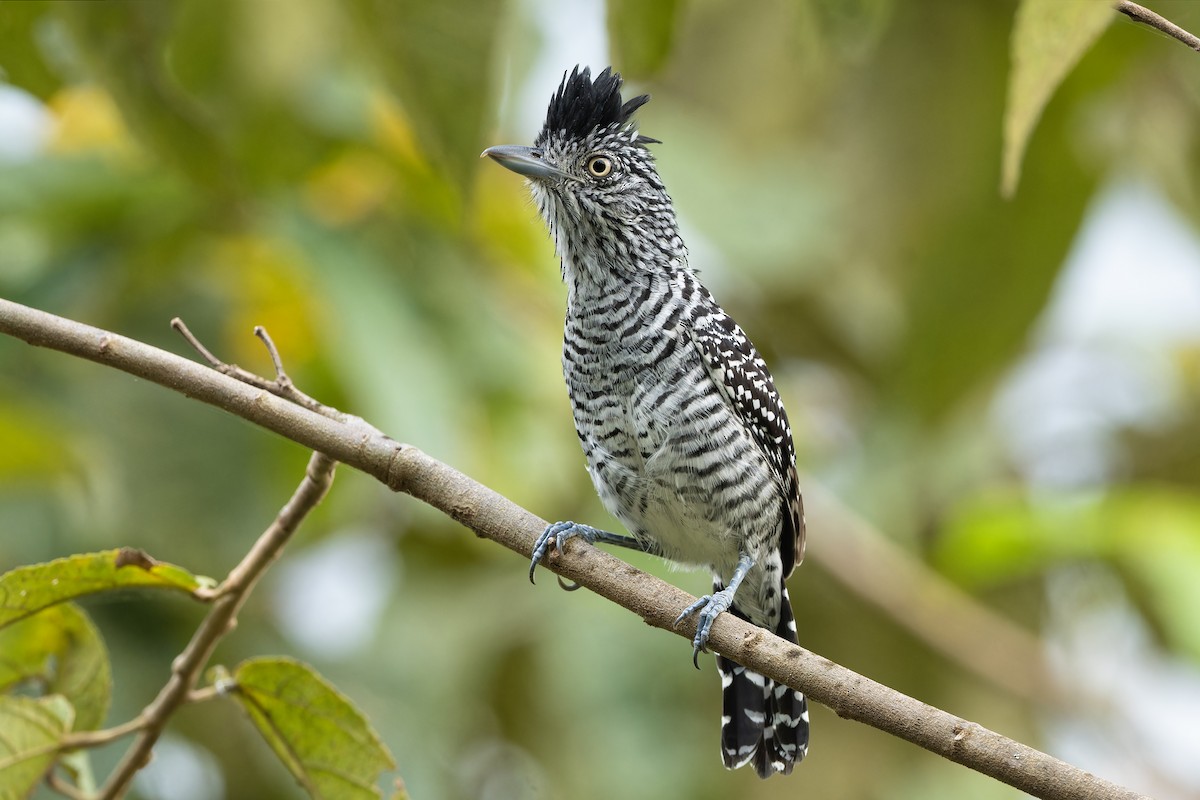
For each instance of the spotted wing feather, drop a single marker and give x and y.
(746, 384)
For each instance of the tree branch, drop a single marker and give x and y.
(230, 595)
(489, 514)
(1145, 16)
(81, 739)
(925, 603)
(65, 788)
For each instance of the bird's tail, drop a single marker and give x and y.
(762, 721)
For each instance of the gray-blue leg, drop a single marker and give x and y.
(710, 606)
(558, 533)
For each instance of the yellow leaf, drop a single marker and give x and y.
(348, 188)
(87, 120)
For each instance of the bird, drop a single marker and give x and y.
(684, 434)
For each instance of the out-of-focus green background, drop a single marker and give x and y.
(1003, 392)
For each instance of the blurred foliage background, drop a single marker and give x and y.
(1002, 394)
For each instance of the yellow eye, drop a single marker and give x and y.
(599, 166)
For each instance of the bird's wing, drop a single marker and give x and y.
(748, 389)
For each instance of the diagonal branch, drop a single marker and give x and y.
(1160, 23)
(489, 514)
(231, 594)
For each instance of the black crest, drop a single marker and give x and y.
(582, 105)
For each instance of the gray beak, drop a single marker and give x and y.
(525, 161)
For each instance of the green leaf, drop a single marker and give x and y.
(1151, 533)
(326, 743)
(1049, 37)
(27, 590)
(1156, 539)
(30, 730)
(1005, 536)
(641, 34)
(62, 651)
(78, 764)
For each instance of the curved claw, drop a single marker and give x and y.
(709, 607)
(539, 550)
(558, 533)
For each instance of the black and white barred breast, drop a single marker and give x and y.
(669, 456)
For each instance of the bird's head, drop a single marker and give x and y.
(594, 180)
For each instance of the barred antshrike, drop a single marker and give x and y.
(684, 433)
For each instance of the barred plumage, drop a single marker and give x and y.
(685, 436)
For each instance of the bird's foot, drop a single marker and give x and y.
(709, 607)
(557, 535)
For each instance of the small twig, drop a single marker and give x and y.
(65, 788)
(203, 695)
(82, 739)
(198, 346)
(1160, 23)
(280, 376)
(185, 669)
(287, 388)
(232, 370)
(281, 386)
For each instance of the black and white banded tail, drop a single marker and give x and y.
(762, 721)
